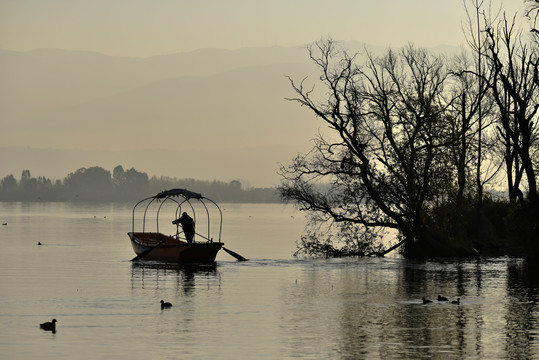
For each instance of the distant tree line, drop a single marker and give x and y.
(414, 140)
(98, 184)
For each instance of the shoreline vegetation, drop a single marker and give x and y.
(450, 231)
(98, 184)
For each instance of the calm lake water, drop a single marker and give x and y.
(271, 307)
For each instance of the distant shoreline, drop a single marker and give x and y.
(97, 184)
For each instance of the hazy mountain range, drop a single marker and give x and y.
(207, 114)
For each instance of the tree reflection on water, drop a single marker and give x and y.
(376, 309)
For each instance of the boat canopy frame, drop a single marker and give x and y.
(181, 197)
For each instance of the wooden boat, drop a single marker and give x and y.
(156, 245)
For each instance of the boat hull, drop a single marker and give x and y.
(167, 249)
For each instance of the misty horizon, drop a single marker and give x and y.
(205, 122)
(152, 114)
(184, 97)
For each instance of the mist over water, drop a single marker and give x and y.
(274, 306)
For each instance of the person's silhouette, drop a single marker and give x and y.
(188, 226)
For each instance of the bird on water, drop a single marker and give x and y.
(456, 302)
(165, 305)
(426, 301)
(49, 325)
(442, 298)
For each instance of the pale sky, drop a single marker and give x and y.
(142, 28)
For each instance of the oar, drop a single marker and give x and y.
(234, 254)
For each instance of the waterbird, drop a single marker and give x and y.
(456, 302)
(442, 298)
(165, 305)
(39, 243)
(5, 224)
(426, 301)
(49, 326)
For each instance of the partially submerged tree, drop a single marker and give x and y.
(412, 145)
(388, 133)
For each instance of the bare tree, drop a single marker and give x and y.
(513, 64)
(532, 13)
(387, 131)
(471, 117)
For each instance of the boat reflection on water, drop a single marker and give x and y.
(153, 274)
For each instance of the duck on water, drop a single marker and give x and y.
(165, 305)
(49, 325)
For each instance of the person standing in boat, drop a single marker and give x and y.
(188, 226)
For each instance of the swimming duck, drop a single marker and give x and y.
(165, 305)
(456, 302)
(49, 326)
(426, 301)
(442, 298)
